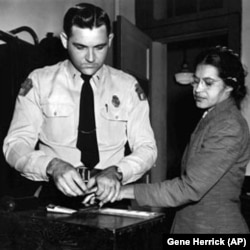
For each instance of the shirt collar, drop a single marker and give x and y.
(74, 73)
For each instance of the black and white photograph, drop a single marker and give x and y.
(124, 124)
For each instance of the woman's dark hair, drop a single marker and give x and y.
(229, 67)
(85, 15)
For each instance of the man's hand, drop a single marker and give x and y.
(66, 178)
(108, 184)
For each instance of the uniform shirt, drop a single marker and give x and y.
(46, 118)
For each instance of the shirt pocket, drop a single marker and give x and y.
(114, 114)
(59, 122)
(113, 125)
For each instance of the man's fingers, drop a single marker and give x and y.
(117, 192)
(113, 194)
(80, 183)
(110, 193)
(64, 188)
(92, 190)
(91, 183)
(88, 198)
(108, 185)
(108, 197)
(104, 193)
(71, 184)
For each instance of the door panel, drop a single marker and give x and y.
(133, 55)
(133, 51)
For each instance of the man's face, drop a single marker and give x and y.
(208, 88)
(87, 48)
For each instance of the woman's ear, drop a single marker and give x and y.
(64, 40)
(229, 89)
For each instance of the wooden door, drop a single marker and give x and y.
(132, 54)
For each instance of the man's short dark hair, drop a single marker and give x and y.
(85, 15)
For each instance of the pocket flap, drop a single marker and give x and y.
(114, 114)
(57, 110)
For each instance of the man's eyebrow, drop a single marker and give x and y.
(209, 77)
(79, 44)
(83, 45)
(101, 44)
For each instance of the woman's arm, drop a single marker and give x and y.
(126, 192)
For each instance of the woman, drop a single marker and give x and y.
(214, 161)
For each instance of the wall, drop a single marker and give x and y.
(246, 56)
(47, 15)
(125, 8)
(41, 15)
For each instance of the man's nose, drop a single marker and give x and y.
(90, 56)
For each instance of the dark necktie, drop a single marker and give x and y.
(87, 141)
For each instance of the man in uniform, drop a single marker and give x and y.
(43, 139)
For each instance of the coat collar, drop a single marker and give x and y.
(221, 107)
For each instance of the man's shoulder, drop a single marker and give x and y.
(44, 78)
(124, 82)
(120, 74)
(48, 69)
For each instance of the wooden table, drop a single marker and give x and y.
(91, 229)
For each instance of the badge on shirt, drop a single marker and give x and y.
(115, 101)
(140, 92)
(26, 86)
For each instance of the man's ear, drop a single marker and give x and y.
(64, 40)
(111, 36)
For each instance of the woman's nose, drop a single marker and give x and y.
(199, 86)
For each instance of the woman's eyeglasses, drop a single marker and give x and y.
(207, 81)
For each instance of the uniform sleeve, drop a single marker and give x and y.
(20, 142)
(204, 168)
(140, 137)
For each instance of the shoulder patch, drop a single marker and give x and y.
(140, 92)
(26, 86)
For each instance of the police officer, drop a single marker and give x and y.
(47, 115)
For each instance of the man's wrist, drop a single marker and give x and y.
(50, 169)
